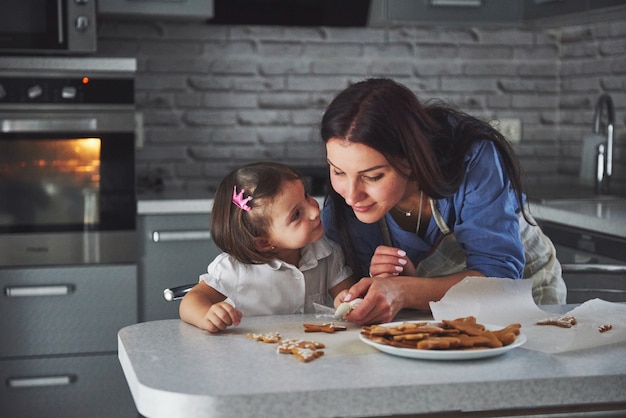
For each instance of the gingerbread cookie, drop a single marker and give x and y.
(562, 321)
(303, 350)
(329, 327)
(269, 337)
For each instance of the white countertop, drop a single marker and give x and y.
(176, 370)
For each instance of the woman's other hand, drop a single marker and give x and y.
(390, 261)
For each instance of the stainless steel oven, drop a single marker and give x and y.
(67, 158)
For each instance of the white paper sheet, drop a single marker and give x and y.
(500, 301)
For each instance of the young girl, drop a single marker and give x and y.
(276, 259)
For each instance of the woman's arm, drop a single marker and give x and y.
(207, 309)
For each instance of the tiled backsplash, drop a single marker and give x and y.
(214, 97)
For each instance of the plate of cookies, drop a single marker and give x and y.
(457, 339)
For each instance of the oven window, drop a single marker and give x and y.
(31, 24)
(66, 184)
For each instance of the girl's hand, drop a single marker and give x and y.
(339, 298)
(390, 261)
(221, 315)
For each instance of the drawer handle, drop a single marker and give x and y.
(595, 268)
(30, 291)
(595, 290)
(170, 236)
(31, 382)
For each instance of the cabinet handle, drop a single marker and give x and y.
(30, 291)
(31, 382)
(169, 236)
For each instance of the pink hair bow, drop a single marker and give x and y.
(239, 200)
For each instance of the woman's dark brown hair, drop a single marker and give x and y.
(433, 138)
(234, 229)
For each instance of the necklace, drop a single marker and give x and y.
(410, 213)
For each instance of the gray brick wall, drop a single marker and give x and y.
(214, 97)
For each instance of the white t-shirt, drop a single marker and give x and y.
(280, 288)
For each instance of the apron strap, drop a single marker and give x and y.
(441, 223)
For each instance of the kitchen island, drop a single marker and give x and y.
(176, 370)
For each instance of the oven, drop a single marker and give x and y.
(67, 158)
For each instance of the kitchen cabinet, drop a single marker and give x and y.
(501, 12)
(399, 12)
(175, 249)
(541, 9)
(58, 356)
(179, 9)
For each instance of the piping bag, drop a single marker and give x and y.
(500, 301)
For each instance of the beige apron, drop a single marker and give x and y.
(446, 257)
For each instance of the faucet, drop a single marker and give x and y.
(604, 161)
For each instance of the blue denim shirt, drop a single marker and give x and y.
(482, 215)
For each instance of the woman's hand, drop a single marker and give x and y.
(390, 261)
(383, 297)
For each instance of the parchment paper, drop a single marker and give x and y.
(500, 301)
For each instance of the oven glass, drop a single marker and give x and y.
(66, 184)
(54, 182)
(31, 24)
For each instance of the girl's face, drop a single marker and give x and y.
(365, 179)
(294, 218)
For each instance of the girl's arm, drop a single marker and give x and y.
(340, 290)
(207, 309)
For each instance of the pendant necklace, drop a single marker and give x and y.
(410, 212)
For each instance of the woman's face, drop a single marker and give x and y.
(365, 179)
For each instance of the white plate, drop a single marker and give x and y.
(443, 354)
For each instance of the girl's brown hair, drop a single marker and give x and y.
(235, 230)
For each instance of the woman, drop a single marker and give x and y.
(422, 197)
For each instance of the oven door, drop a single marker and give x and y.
(67, 188)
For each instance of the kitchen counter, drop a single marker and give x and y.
(607, 216)
(174, 369)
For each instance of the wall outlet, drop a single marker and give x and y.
(511, 129)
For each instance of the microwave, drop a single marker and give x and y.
(63, 27)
